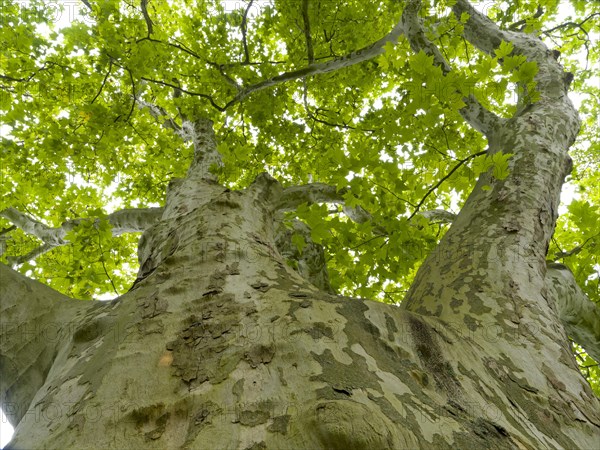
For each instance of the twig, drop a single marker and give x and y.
(448, 175)
(103, 82)
(244, 28)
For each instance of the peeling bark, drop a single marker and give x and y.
(220, 344)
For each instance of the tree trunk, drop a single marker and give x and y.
(219, 344)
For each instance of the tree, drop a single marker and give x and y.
(275, 155)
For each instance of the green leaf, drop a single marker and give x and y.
(504, 49)
(298, 241)
(526, 71)
(500, 163)
(421, 63)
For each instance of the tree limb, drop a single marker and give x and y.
(144, 7)
(244, 28)
(579, 315)
(474, 112)
(206, 155)
(551, 81)
(294, 196)
(438, 215)
(123, 221)
(307, 33)
(355, 57)
(31, 226)
(159, 113)
(480, 30)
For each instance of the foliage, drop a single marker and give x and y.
(75, 145)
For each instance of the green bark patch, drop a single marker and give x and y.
(390, 324)
(161, 425)
(146, 414)
(113, 330)
(251, 418)
(358, 329)
(257, 446)
(280, 424)
(528, 403)
(201, 417)
(205, 348)
(259, 354)
(92, 330)
(342, 380)
(238, 389)
(320, 330)
(152, 305)
(350, 425)
(431, 357)
(295, 306)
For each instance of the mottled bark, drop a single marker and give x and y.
(220, 344)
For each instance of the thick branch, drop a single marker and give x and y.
(31, 226)
(438, 215)
(35, 321)
(160, 115)
(474, 112)
(579, 315)
(552, 81)
(307, 33)
(480, 30)
(244, 28)
(144, 7)
(355, 57)
(294, 196)
(123, 221)
(202, 134)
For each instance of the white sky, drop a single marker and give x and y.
(72, 12)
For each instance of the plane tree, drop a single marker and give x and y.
(346, 217)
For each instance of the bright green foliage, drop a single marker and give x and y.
(75, 145)
(498, 163)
